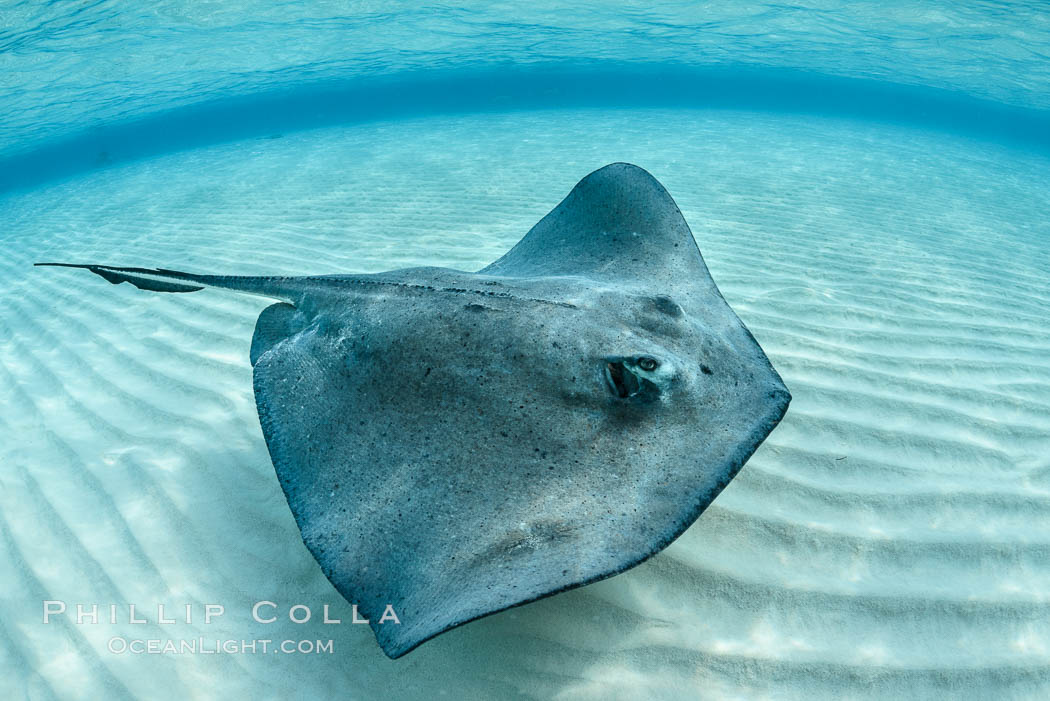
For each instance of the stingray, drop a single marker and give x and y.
(453, 444)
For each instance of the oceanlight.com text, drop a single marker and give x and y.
(203, 646)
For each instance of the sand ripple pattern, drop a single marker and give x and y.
(890, 540)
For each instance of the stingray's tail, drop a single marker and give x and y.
(287, 289)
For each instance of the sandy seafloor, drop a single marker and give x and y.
(891, 539)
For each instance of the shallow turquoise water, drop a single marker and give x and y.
(67, 66)
(84, 84)
(869, 194)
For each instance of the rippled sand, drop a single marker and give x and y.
(891, 539)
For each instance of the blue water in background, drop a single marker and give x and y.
(98, 82)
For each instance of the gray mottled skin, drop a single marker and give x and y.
(457, 443)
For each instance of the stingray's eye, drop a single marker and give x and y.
(648, 364)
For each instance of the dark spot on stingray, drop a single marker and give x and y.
(663, 303)
(706, 370)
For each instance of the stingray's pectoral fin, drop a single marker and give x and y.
(276, 323)
(163, 280)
